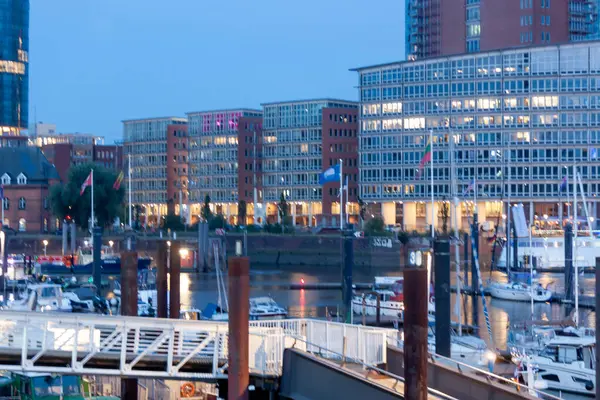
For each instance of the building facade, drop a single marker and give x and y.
(438, 28)
(213, 159)
(177, 170)
(26, 177)
(14, 66)
(250, 176)
(146, 141)
(300, 139)
(516, 121)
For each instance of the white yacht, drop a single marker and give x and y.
(366, 303)
(518, 291)
(43, 297)
(566, 364)
(265, 307)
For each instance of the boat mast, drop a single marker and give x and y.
(456, 233)
(575, 226)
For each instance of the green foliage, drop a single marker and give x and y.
(362, 209)
(242, 212)
(65, 199)
(283, 207)
(375, 226)
(403, 237)
(173, 222)
(216, 222)
(206, 213)
(253, 228)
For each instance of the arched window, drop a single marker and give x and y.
(22, 225)
(22, 203)
(6, 203)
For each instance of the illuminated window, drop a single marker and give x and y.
(12, 67)
(414, 123)
(392, 108)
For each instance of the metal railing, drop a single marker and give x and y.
(166, 348)
(343, 358)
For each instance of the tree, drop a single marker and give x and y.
(206, 212)
(65, 198)
(375, 226)
(445, 215)
(362, 210)
(283, 207)
(242, 212)
(173, 222)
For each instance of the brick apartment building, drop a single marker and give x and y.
(449, 27)
(26, 176)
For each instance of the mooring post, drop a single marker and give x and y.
(174, 280)
(129, 306)
(441, 252)
(569, 293)
(347, 267)
(161, 279)
(239, 309)
(416, 299)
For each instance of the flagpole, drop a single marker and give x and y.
(129, 186)
(92, 173)
(347, 212)
(432, 202)
(341, 195)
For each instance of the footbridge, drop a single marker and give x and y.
(139, 347)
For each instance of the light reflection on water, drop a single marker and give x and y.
(199, 289)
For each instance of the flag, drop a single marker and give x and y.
(331, 174)
(118, 181)
(86, 183)
(425, 158)
(470, 187)
(563, 184)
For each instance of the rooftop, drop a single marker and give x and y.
(183, 119)
(225, 110)
(318, 100)
(480, 53)
(29, 161)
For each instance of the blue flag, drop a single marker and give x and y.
(331, 174)
(563, 184)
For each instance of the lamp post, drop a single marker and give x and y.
(45, 242)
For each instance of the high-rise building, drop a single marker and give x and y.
(449, 27)
(515, 120)
(146, 141)
(14, 66)
(299, 140)
(213, 153)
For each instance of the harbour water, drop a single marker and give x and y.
(199, 289)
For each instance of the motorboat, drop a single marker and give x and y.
(565, 364)
(465, 348)
(43, 297)
(367, 303)
(211, 312)
(84, 298)
(518, 291)
(528, 340)
(265, 307)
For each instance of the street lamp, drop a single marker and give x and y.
(183, 252)
(110, 243)
(45, 242)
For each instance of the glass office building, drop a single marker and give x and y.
(14, 68)
(517, 121)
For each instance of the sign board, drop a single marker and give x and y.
(521, 228)
(415, 258)
(359, 234)
(382, 242)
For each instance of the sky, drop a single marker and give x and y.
(94, 63)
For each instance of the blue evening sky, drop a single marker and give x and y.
(94, 63)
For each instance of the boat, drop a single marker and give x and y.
(518, 291)
(389, 305)
(44, 297)
(211, 312)
(34, 386)
(84, 298)
(265, 307)
(565, 364)
(534, 338)
(84, 263)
